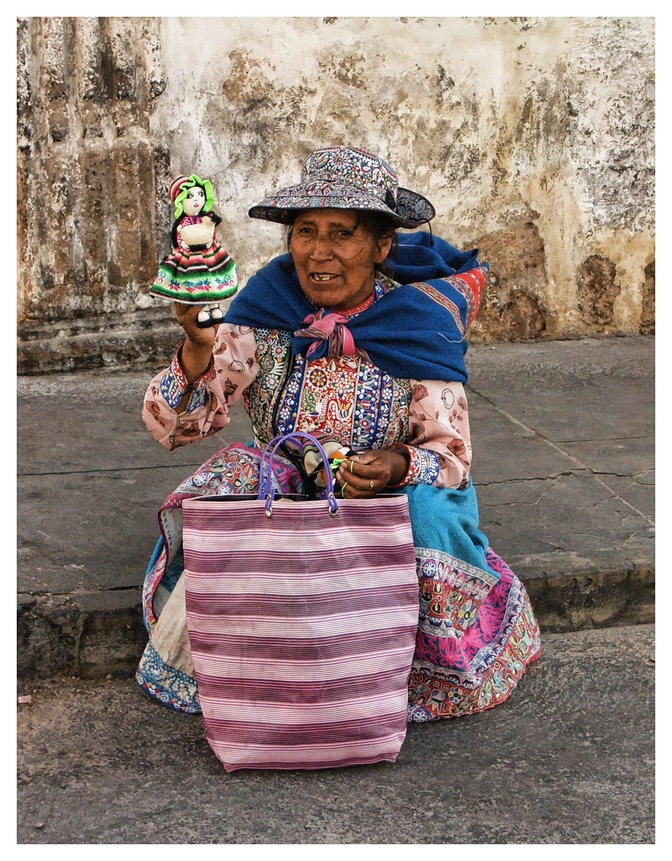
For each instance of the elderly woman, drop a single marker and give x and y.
(356, 336)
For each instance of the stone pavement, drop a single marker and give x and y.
(564, 460)
(563, 438)
(569, 758)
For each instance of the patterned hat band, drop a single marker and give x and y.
(346, 178)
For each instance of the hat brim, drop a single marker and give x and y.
(412, 209)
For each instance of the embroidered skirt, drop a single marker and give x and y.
(476, 630)
(196, 277)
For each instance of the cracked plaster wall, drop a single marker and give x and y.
(533, 137)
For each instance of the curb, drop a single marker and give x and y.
(101, 634)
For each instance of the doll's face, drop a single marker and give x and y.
(194, 202)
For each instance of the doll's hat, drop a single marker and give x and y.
(346, 178)
(176, 186)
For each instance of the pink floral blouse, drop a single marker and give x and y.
(347, 399)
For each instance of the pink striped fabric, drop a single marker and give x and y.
(302, 628)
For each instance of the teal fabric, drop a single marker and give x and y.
(447, 520)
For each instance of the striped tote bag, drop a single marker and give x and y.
(302, 616)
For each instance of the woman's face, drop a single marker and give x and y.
(335, 257)
(194, 202)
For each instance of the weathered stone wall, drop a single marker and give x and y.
(533, 137)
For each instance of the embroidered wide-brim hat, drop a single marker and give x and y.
(346, 178)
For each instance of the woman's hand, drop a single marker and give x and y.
(367, 473)
(197, 348)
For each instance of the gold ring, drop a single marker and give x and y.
(352, 463)
(343, 490)
(371, 484)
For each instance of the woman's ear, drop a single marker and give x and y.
(384, 247)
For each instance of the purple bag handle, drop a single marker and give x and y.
(266, 489)
(266, 468)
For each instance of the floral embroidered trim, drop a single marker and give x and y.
(172, 687)
(423, 467)
(174, 385)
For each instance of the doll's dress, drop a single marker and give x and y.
(198, 271)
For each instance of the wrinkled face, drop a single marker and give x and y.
(194, 202)
(335, 257)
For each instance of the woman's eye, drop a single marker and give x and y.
(342, 236)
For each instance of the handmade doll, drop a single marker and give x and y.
(198, 271)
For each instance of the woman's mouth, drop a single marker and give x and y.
(322, 276)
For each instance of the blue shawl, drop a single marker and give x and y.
(415, 331)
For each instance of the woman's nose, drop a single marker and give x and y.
(322, 248)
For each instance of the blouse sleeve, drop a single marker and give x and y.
(439, 444)
(232, 368)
